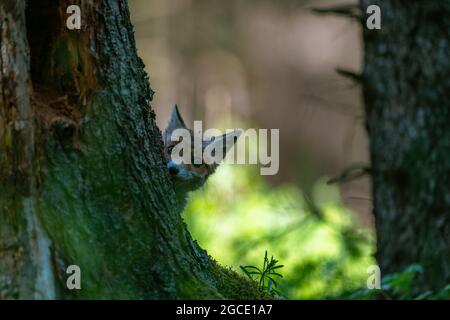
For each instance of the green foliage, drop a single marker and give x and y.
(227, 284)
(237, 215)
(442, 294)
(265, 276)
(400, 286)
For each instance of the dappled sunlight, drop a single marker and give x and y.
(237, 216)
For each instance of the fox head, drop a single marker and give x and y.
(191, 176)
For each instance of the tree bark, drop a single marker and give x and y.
(82, 175)
(406, 93)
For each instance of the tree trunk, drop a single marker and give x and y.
(406, 93)
(82, 176)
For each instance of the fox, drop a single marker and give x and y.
(188, 177)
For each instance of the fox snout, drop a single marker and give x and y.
(187, 172)
(185, 179)
(173, 169)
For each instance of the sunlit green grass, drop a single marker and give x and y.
(237, 216)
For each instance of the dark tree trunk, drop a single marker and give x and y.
(406, 92)
(82, 176)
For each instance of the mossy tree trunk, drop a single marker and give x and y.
(82, 176)
(406, 93)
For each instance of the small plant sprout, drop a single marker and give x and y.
(265, 276)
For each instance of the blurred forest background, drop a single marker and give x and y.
(270, 64)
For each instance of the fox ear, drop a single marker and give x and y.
(175, 122)
(224, 142)
(229, 139)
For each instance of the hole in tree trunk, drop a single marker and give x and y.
(61, 67)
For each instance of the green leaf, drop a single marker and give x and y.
(279, 266)
(276, 274)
